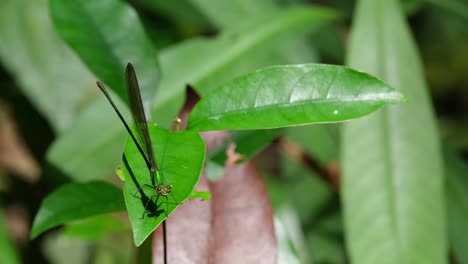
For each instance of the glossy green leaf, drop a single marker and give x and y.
(457, 205)
(48, 73)
(203, 62)
(180, 156)
(291, 95)
(7, 247)
(392, 181)
(76, 201)
(107, 34)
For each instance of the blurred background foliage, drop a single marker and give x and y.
(45, 89)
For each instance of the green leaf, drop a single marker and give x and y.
(291, 95)
(48, 73)
(89, 153)
(95, 228)
(392, 181)
(457, 206)
(7, 247)
(225, 13)
(205, 196)
(107, 34)
(180, 156)
(456, 7)
(76, 201)
(250, 45)
(203, 62)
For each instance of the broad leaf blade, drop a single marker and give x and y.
(289, 96)
(107, 34)
(76, 201)
(180, 156)
(391, 162)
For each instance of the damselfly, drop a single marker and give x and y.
(143, 142)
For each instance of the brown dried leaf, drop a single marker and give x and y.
(235, 226)
(14, 155)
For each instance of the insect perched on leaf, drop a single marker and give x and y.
(143, 142)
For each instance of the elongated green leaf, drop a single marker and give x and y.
(107, 34)
(7, 247)
(289, 96)
(76, 201)
(180, 156)
(391, 162)
(457, 205)
(48, 73)
(206, 63)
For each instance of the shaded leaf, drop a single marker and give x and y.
(7, 247)
(95, 228)
(90, 152)
(289, 96)
(392, 188)
(457, 7)
(252, 44)
(225, 13)
(48, 73)
(180, 156)
(76, 201)
(457, 208)
(107, 34)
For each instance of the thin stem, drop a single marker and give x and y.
(164, 241)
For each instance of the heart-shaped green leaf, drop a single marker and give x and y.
(291, 95)
(180, 156)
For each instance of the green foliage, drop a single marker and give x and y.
(392, 190)
(76, 201)
(90, 29)
(285, 96)
(370, 190)
(9, 251)
(180, 156)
